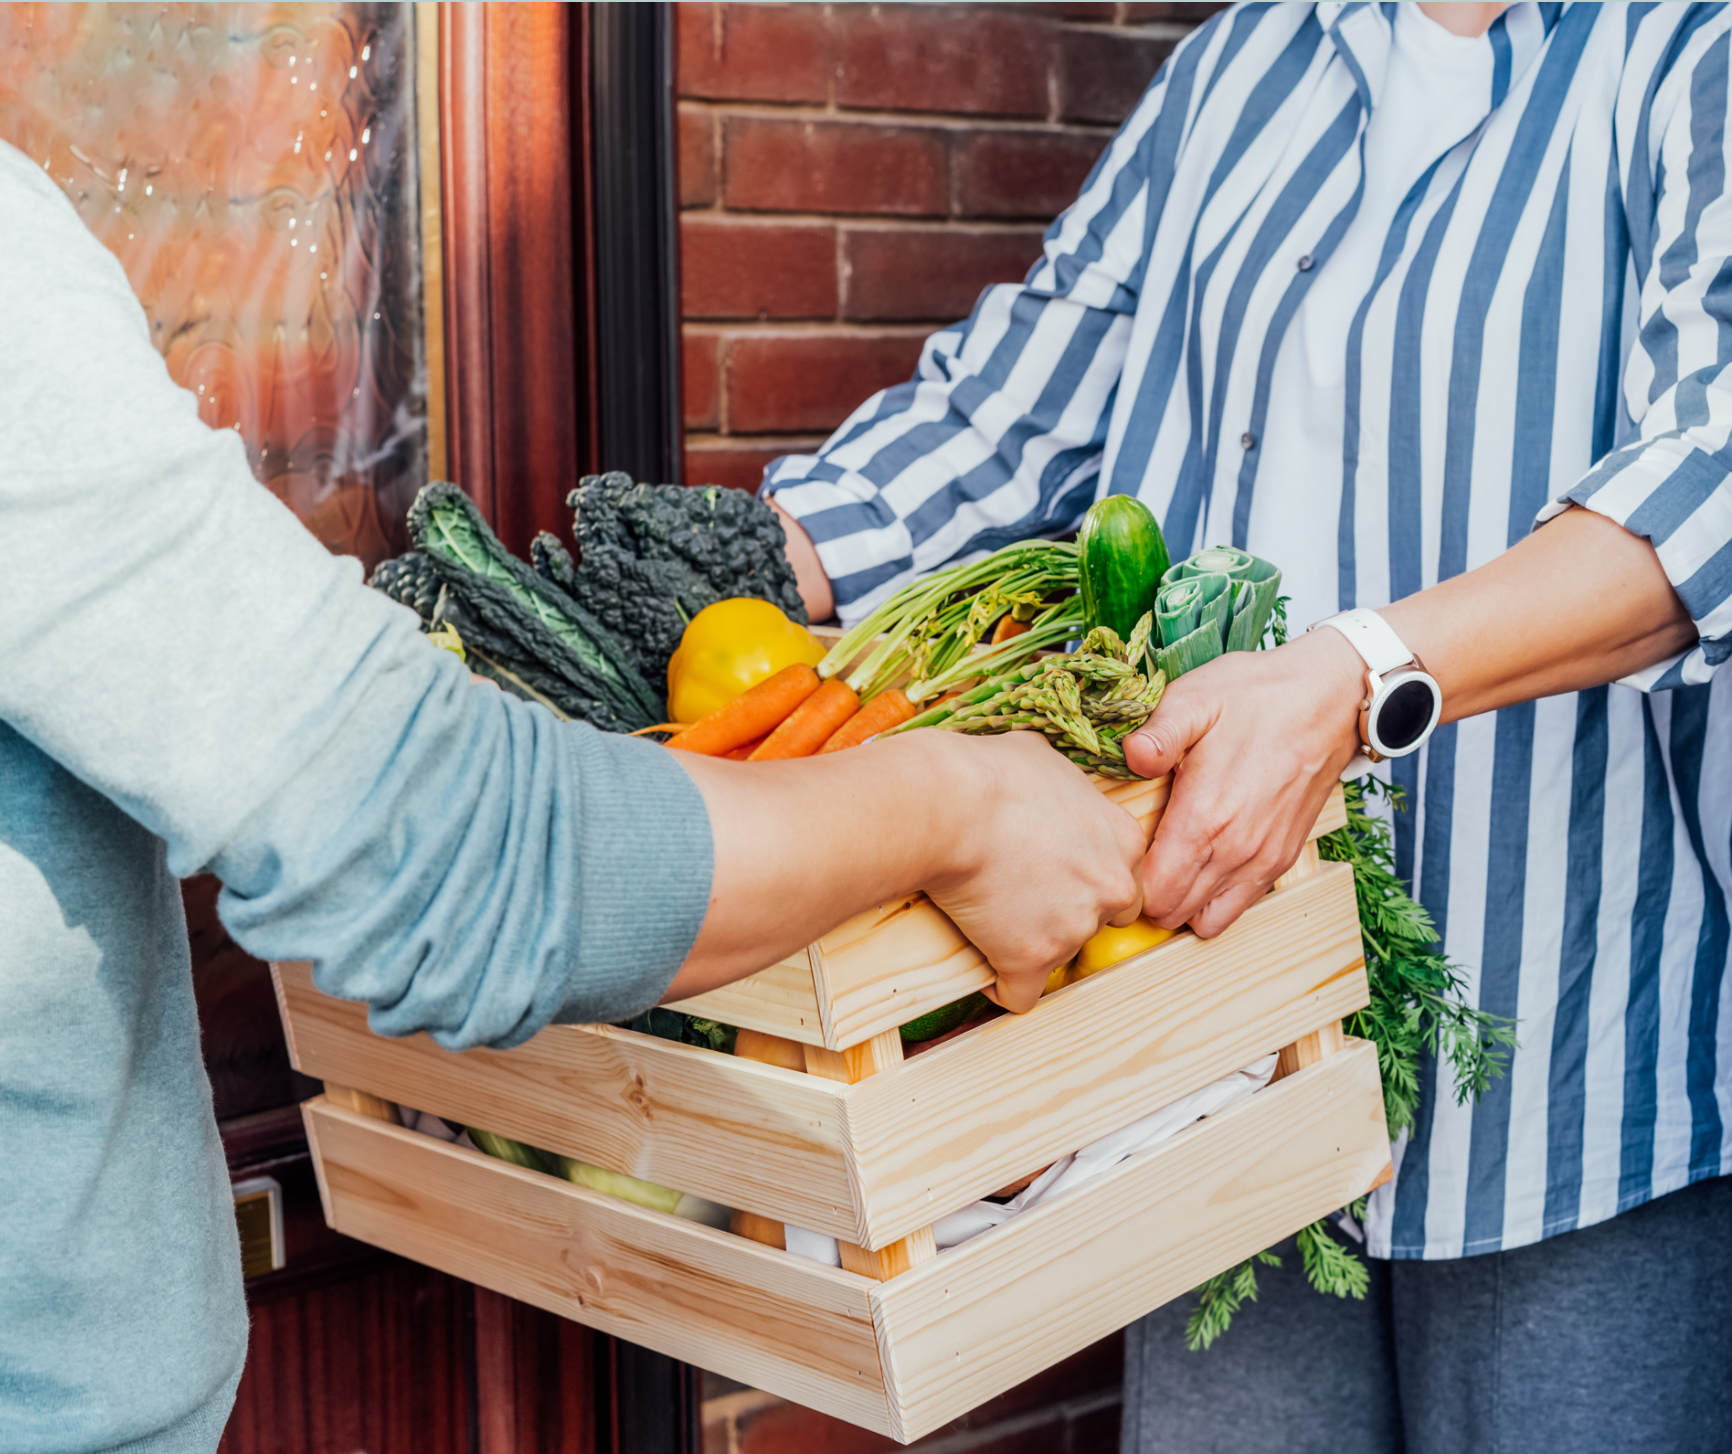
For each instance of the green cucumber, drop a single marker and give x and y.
(1121, 557)
(944, 1019)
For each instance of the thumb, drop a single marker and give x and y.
(1155, 748)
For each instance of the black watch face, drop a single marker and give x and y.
(1404, 714)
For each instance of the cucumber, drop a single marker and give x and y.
(1121, 556)
(944, 1019)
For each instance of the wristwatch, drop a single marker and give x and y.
(1402, 699)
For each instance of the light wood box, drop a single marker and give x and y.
(901, 1357)
(872, 1149)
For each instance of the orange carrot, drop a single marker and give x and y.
(811, 724)
(745, 750)
(886, 710)
(1008, 626)
(751, 714)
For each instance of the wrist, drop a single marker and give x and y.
(1340, 674)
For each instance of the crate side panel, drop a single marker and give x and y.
(744, 1134)
(1020, 1091)
(792, 1327)
(780, 1000)
(974, 1322)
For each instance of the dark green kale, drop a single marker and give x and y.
(668, 1024)
(411, 581)
(727, 539)
(520, 619)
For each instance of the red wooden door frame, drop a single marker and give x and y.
(519, 343)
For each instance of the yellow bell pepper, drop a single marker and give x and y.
(1111, 945)
(729, 647)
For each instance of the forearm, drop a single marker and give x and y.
(809, 573)
(1579, 602)
(801, 846)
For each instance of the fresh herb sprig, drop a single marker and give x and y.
(1418, 1004)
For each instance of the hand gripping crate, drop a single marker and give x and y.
(872, 1149)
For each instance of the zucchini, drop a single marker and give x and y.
(944, 1019)
(1121, 557)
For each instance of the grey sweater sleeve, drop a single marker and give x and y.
(461, 861)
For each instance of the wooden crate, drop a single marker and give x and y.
(902, 1356)
(872, 1149)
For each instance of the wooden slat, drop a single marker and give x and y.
(1309, 1049)
(741, 1133)
(780, 1000)
(890, 964)
(880, 1053)
(964, 1328)
(781, 1323)
(1015, 1093)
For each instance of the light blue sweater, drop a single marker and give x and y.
(189, 682)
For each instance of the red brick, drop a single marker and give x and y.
(790, 1429)
(1102, 74)
(772, 165)
(797, 381)
(745, 269)
(739, 466)
(910, 274)
(700, 380)
(979, 59)
(697, 157)
(753, 52)
(1023, 173)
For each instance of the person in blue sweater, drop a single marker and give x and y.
(190, 683)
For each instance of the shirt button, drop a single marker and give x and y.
(1247, 440)
(1305, 263)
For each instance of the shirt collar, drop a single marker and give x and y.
(1362, 33)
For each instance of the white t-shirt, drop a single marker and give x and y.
(1435, 95)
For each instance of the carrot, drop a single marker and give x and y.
(751, 714)
(742, 752)
(1008, 626)
(811, 724)
(886, 710)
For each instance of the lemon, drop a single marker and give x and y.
(1111, 945)
(1058, 978)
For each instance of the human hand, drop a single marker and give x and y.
(1255, 741)
(1039, 859)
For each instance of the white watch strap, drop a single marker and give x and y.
(1372, 637)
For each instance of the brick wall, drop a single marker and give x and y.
(851, 176)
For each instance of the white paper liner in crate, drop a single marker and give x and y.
(1063, 1175)
(1072, 1171)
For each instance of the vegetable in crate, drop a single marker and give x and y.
(730, 647)
(1219, 600)
(651, 557)
(1086, 703)
(929, 630)
(516, 616)
(1121, 557)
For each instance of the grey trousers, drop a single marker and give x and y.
(1611, 1339)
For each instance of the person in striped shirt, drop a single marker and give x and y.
(1373, 290)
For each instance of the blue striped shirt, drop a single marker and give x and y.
(1549, 320)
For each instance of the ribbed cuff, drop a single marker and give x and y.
(647, 862)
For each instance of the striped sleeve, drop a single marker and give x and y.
(1672, 483)
(1000, 433)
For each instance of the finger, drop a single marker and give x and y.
(1219, 913)
(1155, 748)
(1019, 993)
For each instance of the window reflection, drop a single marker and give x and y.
(254, 168)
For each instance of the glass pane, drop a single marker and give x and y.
(254, 168)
